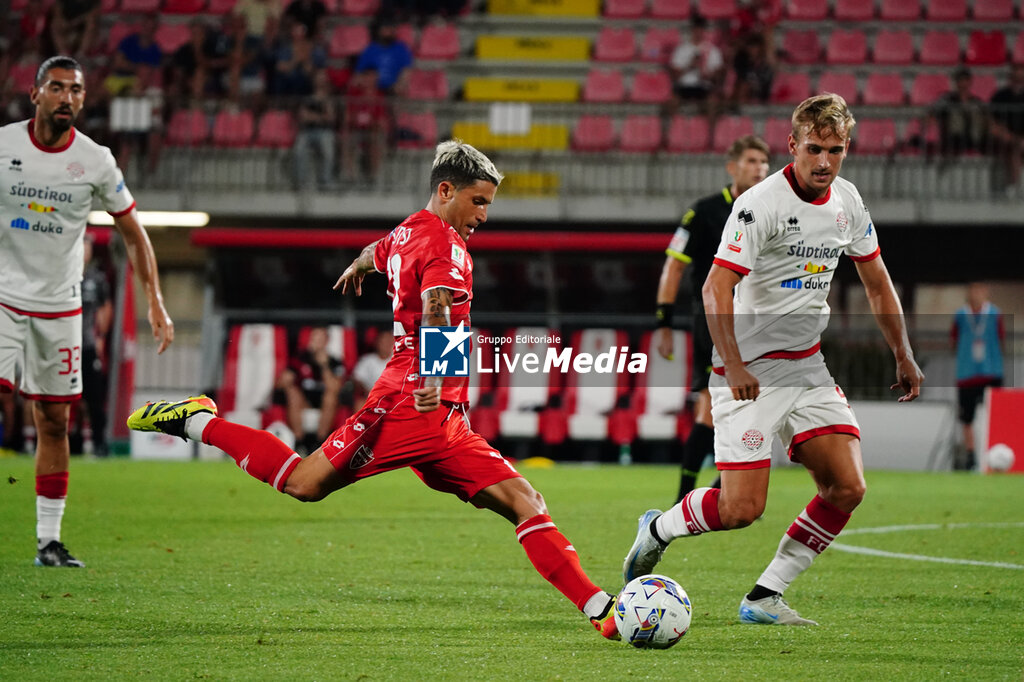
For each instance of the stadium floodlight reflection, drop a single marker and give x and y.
(157, 218)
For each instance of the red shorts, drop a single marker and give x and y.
(388, 433)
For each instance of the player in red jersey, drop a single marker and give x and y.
(409, 420)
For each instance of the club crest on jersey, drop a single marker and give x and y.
(841, 222)
(458, 255)
(752, 440)
(75, 170)
(362, 457)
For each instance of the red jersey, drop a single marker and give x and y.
(423, 252)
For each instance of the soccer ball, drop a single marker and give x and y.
(652, 612)
(1000, 457)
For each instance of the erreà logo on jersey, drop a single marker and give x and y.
(444, 351)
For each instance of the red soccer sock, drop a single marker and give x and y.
(258, 453)
(53, 486)
(555, 558)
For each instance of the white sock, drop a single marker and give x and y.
(596, 605)
(791, 559)
(49, 513)
(686, 518)
(195, 425)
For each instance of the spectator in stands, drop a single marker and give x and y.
(313, 379)
(755, 70)
(370, 366)
(316, 137)
(139, 49)
(32, 24)
(388, 56)
(755, 18)
(309, 13)
(97, 316)
(1007, 129)
(696, 67)
(298, 60)
(197, 66)
(73, 25)
(260, 16)
(246, 61)
(367, 121)
(962, 118)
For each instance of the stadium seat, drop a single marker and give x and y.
(893, 47)
(874, 137)
(438, 42)
(276, 129)
(717, 9)
(854, 10)
(916, 139)
(883, 89)
(992, 10)
(22, 77)
(728, 129)
(183, 6)
(807, 10)
(348, 40)
(593, 133)
(658, 43)
(776, 134)
(1018, 49)
(406, 33)
(842, 83)
(524, 395)
(590, 397)
(847, 47)
(604, 85)
(946, 10)
(416, 130)
(688, 135)
(424, 84)
(119, 30)
(940, 48)
(233, 129)
(139, 6)
(339, 76)
(640, 134)
(108, 6)
(360, 8)
(801, 47)
(670, 10)
(624, 9)
(615, 45)
(171, 36)
(984, 85)
(659, 399)
(256, 355)
(650, 87)
(986, 48)
(220, 7)
(928, 87)
(900, 10)
(188, 128)
(790, 87)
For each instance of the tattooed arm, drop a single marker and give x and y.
(354, 273)
(437, 312)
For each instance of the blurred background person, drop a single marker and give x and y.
(312, 380)
(1007, 111)
(316, 140)
(370, 365)
(365, 128)
(97, 316)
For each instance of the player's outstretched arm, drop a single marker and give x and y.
(437, 307)
(717, 293)
(885, 304)
(143, 259)
(668, 289)
(353, 275)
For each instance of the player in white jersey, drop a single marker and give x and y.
(50, 174)
(779, 252)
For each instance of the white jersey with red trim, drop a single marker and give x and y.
(787, 250)
(45, 198)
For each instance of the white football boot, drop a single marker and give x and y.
(771, 610)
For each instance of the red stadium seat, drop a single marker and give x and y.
(624, 9)
(604, 85)
(847, 47)
(728, 129)
(108, 6)
(716, 9)
(406, 33)
(916, 139)
(946, 10)
(172, 36)
(984, 85)
(688, 135)
(992, 10)
(348, 40)
(22, 77)
(523, 396)
(360, 8)
(139, 6)
(188, 128)
(590, 396)
(233, 129)
(986, 48)
(1018, 49)
(801, 47)
(220, 6)
(276, 129)
(790, 87)
(424, 84)
(841, 83)
(650, 87)
(940, 48)
(658, 43)
(659, 399)
(893, 47)
(884, 89)
(416, 130)
(119, 30)
(854, 10)
(339, 76)
(900, 10)
(807, 10)
(640, 134)
(615, 45)
(438, 42)
(776, 134)
(928, 87)
(874, 137)
(183, 6)
(671, 10)
(255, 356)
(593, 133)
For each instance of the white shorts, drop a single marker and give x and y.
(45, 351)
(744, 429)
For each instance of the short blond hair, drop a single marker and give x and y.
(461, 164)
(826, 114)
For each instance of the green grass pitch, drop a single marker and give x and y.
(194, 570)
